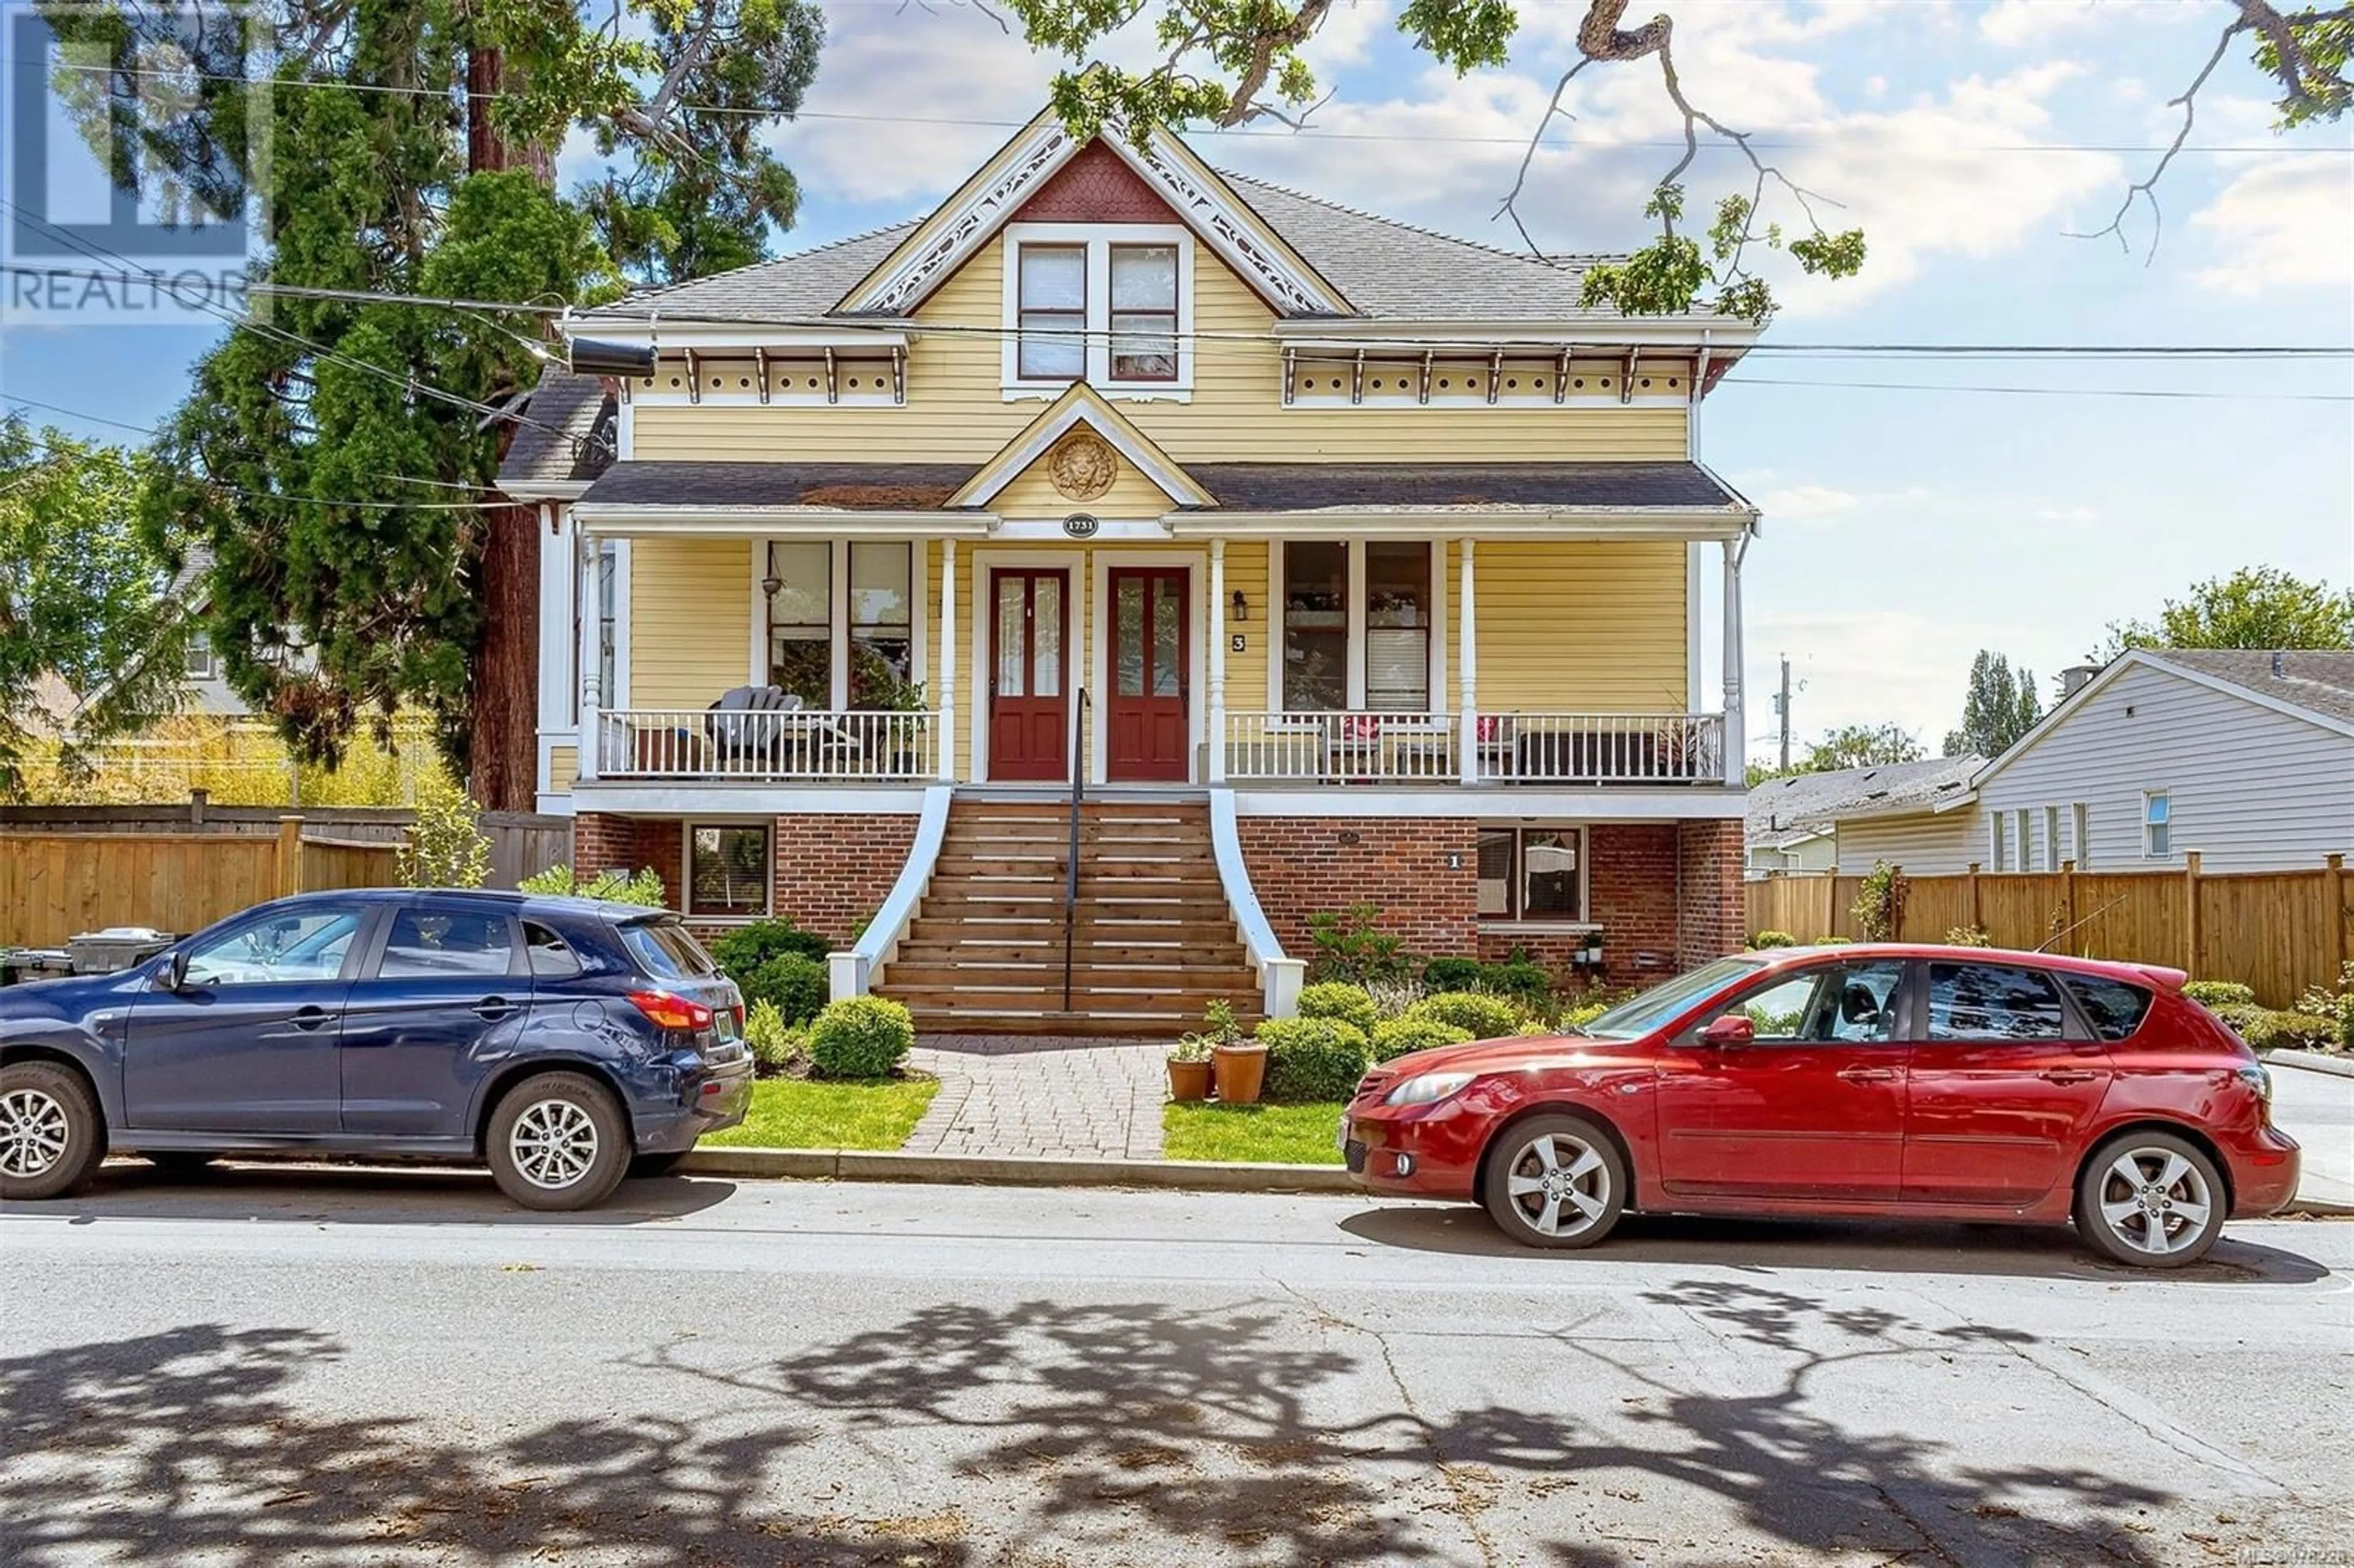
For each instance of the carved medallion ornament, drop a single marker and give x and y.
(1082, 466)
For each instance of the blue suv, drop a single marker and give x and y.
(567, 1042)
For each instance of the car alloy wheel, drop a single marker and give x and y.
(1555, 1180)
(33, 1133)
(2155, 1202)
(554, 1144)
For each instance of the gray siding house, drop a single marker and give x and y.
(2245, 755)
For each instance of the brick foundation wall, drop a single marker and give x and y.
(1303, 866)
(833, 870)
(1709, 897)
(604, 842)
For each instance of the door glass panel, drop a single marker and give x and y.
(1128, 635)
(308, 945)
(438, 944)
(1013, 643)
(1315, 626)
(1046, 640)
(1993, 1002)
(1168, 635)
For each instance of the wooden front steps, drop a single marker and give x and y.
(1152, 945)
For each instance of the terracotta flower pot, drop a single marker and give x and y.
(1240, 1070)
(1189, 1080)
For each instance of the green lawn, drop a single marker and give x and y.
(1288, 1135)
(795, 1113)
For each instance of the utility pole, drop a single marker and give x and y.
(1782, 707)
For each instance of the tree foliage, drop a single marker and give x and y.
(330, 451)
(1231, 62)
(2255, 607)
(1860, 745)
(82, 599)
(2000, 706)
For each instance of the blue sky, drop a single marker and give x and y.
(1905, 528)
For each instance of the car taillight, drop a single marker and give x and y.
(670, 1011)
(738, 1011)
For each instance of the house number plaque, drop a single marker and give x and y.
(1081, 524)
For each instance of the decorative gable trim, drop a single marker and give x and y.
(1081, 404)
(966, 220)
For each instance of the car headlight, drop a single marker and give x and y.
(2259, 1079)
(1430, 1086)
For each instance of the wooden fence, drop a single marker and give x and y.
(2277, 931)
(55, 884)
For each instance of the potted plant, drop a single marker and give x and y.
(1238, 1066)
(1189, 1068)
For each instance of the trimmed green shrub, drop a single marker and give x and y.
(1487, 1017)
(2212, 994)
(795, 986)
(1764, 939)
(773, 1043)
(1350, 946)
(1313, 1058)
(1967, 937)
(640, 887)
(1338, 999)
(860, 1037)
(747, 948)
(1528, 983)
(1453, 974)
(2322, 1002)
(1584, 1014)
(2238, 1014)
(1396, 1036)
(2289, 1031)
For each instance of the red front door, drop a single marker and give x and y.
(1147, 728)
(1029, 707)
(1813, 1108)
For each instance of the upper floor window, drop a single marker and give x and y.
(2156, 823)
(200, 657)
(1107, 303)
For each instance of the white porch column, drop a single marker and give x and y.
(1467, 670)
(1215, 619)
(1736, 744)
(947, 703)
(591, 739)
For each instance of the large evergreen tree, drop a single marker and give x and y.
(2001, 706)
(337, 455)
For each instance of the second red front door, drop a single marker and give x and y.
(1029, 711)
(1146, 728)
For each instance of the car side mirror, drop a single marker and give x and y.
(1733, 1029)
(175, 972)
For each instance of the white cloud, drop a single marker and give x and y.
(2282, 224)
(2057, 512)
(2011, 23)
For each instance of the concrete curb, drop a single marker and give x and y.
(2320, 1209)
(1015, 1170)
(2310, 1062)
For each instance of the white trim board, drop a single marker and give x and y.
(1535, 806)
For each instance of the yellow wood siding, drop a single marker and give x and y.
(563, 767)
(1032, 493)
(1581, 627)
(957, 412)
(1246, 671)
(690, 619)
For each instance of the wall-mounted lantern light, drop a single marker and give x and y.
(1241, 606)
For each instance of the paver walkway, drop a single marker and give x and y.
(1041, 1095)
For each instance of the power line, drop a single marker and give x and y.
(1739, 380)
(457, 90)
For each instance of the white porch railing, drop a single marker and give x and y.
(801, 746)
(1508, 749)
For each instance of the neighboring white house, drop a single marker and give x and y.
(2245, 755)
(1793, 822)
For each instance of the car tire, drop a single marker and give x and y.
(1555, 1180)
(646, 1167)
(2151, 1199)
(179, 1162)
(556, 1142)
(52, 1135)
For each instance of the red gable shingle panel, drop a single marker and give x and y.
(1096, 186)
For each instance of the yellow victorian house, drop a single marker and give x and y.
(1059, 600)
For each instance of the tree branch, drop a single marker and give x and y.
(2146, 188)
(1509, 206)
(1300, 28)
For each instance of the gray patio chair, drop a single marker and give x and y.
(737, 737)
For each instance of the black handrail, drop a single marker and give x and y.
(1071, 885)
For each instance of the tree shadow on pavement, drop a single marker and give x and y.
(1897, 1247)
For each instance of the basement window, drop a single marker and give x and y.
(1534, 876)
(728, 871)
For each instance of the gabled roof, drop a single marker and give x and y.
(802, 286)
(2314, 685)
(1081, 404)
(565, 436)
(1780, 810)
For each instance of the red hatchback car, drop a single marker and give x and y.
(1894, 1081)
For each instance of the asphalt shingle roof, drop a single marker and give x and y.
(1778, 808)
(854, 486)
(565, 432)
(808, 283)
(2319, 682)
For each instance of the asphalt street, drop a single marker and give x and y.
(275, 1367)
(2317, 1109)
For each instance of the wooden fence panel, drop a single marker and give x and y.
(1797, 905)
(349, 863)
(2017, 910)
(2271, 931)
(524, 843)
(54, 886)
(1935, 906)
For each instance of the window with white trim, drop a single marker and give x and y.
(2023, 826)
(1358, 625)
(2051, 838)
(1998, 857)
(1107, 303)
(1532, 876)
(726, 871)
(2083, 826)
(199, 666)
(2156, 823)
(841, 617)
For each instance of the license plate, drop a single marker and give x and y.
(1341, 1140)
(723, 1020)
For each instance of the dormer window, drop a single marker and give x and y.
(1107, 303)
